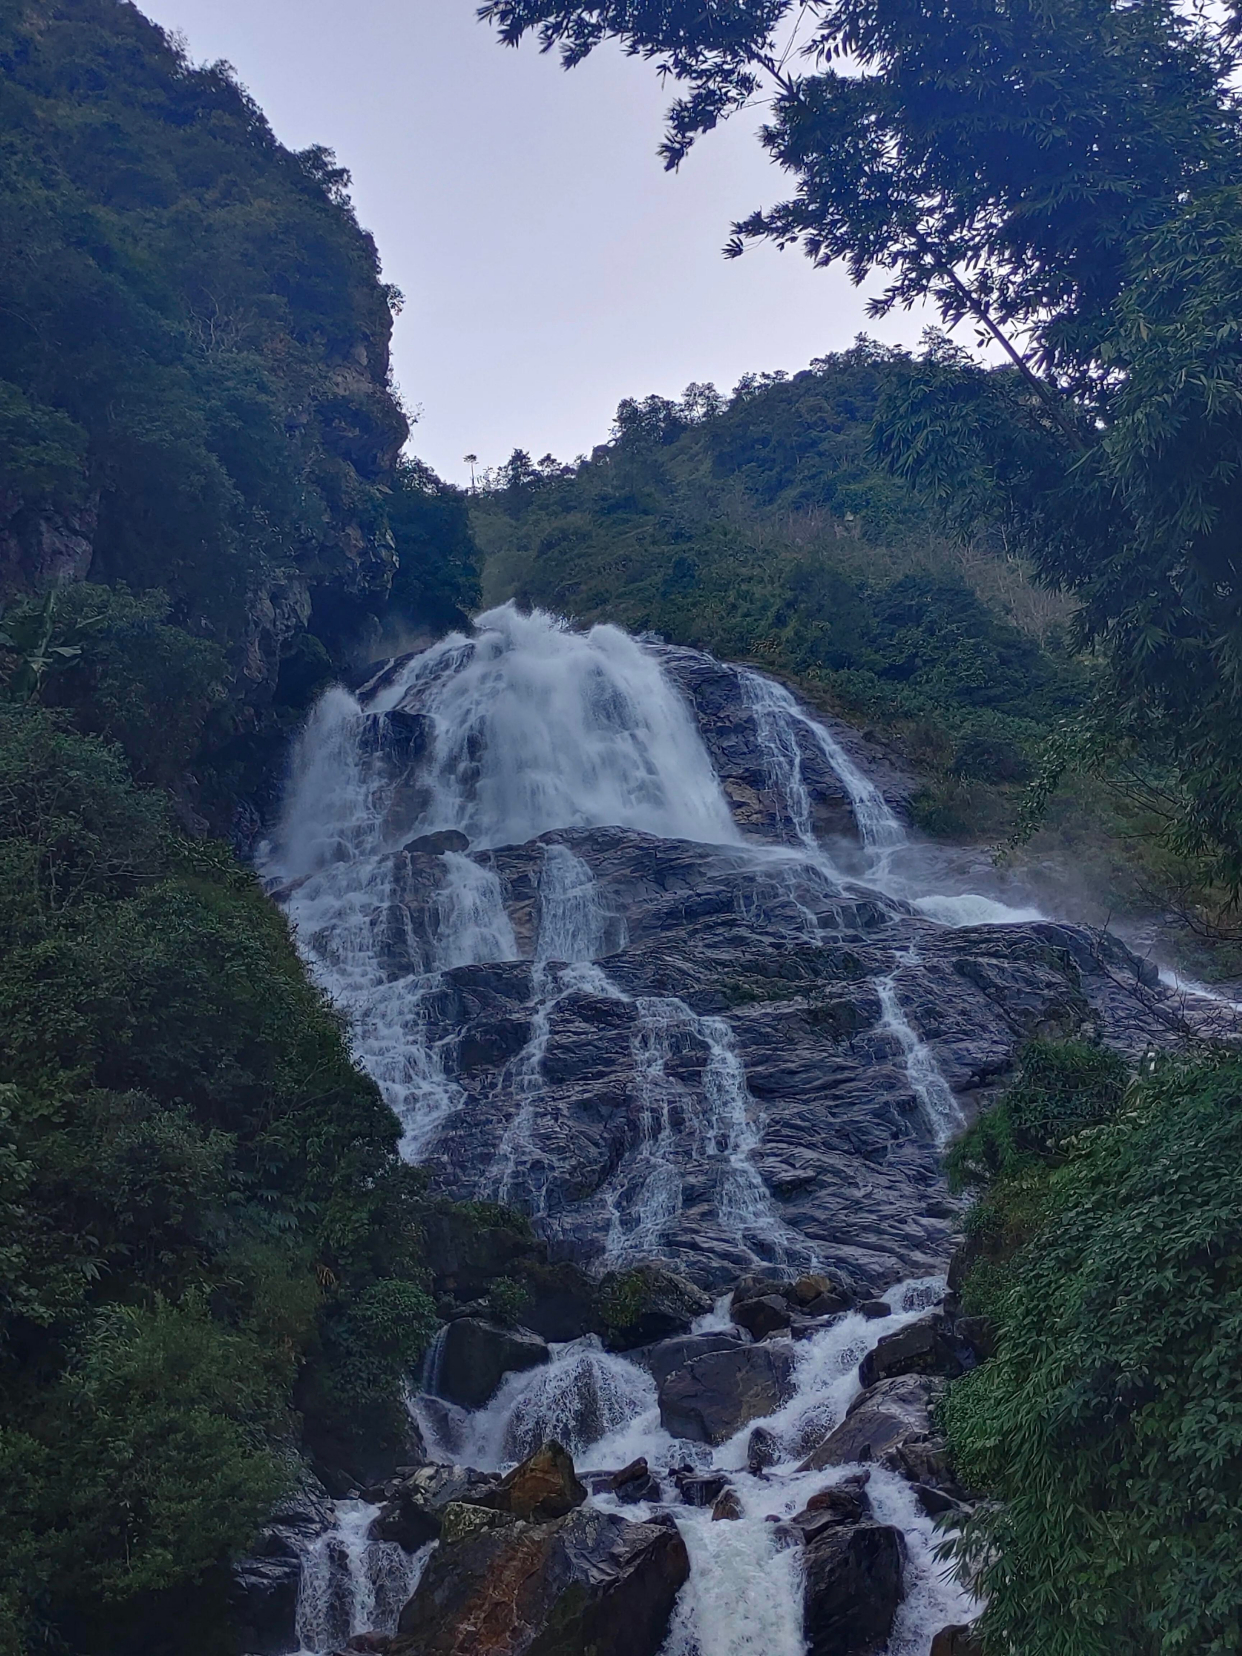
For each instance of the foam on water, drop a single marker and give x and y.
(351, 1584)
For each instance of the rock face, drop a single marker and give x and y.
(928, 1346)
(415, 1513)
(544, 1486)
(589, 1582)
(880, 1424)
(715, 1395)
(724, 1052)
(476, 1356)
(852, 1588)
(263, 1599)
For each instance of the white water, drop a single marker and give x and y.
(743, 1597)
(940, 1108)
(352, 1585)
(535, 728)
(540, 727)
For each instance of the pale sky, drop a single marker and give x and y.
(550, 266)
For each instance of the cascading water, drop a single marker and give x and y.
(525, 828)
(351, 1584)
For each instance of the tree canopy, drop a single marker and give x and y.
(1064, 177)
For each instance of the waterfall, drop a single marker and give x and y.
(525, 827)
(350, 1584)
(943, 1113)
(778, 721)
(538, 727)
(743, 1597)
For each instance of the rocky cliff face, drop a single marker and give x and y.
(680, 1032)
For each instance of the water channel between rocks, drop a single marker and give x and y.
(633, 942)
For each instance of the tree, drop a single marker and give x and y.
(1063, 176)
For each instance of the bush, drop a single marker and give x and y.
(201, 1203)
(1107, 1430)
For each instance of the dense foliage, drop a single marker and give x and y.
(201, 1201)
(1064, 177)
(759, 527)
(210, 1254)
(1108, 1426)
(194, 395)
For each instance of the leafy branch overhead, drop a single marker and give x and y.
(1063, 178)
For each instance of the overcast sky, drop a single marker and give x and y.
(550, 266)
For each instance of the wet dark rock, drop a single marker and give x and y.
(818, 1295)
(844, 1503)
(789, 959)
(714, 1396)
(543, 1486)
(768, 1314)
(590, 1581)
(655, 1303)
(415, 1513)
(701, 1489)
(726, 1507)
(853, 1585)
(979, 1334)
(928, 1346)
(662, 1359)
(477, 1355)
(883, 1419)
(263, 1592)
(634, 1483)
(935, 1502)
(873, 1310)
(763, 1449)
(435, 845)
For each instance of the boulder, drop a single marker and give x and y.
(635, 1483)
(591, 1581)
(669, 1355)
(960, 1640)
(458, 1519)
(435, 845)
(713, 1396)
(763, 1449)
(764, 1315)
(809, 1289)
(650, 1303)
(476, 1356)
(928, 1346)
(873, 1310)
(701, 1489)
(543, 1486)
(843, 1503)
(852, 1587)
(979, 1335)
(882, 1419)
(726, 1507)
(415, 1514)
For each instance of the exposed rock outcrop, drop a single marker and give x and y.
(476, 1355)
(853, 1580)
(716, 1395)
(591, 1581)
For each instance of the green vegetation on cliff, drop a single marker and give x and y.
(203, 1218)
(210, 1252)
(1106, 1432)
(194, 394)
(761, 527)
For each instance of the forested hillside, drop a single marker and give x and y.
(763, 527)
(208, 1246)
